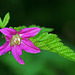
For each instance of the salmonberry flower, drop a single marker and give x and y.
(18, 41)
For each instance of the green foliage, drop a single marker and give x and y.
(1, 22)
(52, 43)
(5, 20)
(18, 28)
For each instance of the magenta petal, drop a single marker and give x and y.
(8, 38)
(29, 32)
(8, 31)
(26, 30)
(5, 49)
(16, 51)
(29, 47)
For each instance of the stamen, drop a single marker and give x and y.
(15, 40)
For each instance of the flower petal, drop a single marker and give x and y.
(16, 51)
(29, 47)
(8, 38)
(7, 47)
(8, 31)
(29, 32)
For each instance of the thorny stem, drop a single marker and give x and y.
(2, 38)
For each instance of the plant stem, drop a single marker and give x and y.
(2, 38)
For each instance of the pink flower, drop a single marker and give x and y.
(18, 41)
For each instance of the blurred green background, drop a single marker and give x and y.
(57, 14)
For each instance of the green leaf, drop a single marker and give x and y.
(52, 43)
(33, 26)
(19, 28)
(6, 20)
(11, 27)
(1, 23)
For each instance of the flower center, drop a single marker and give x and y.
(15, 40)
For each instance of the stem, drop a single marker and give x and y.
(2, 38)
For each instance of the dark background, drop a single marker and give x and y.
(57, 14)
